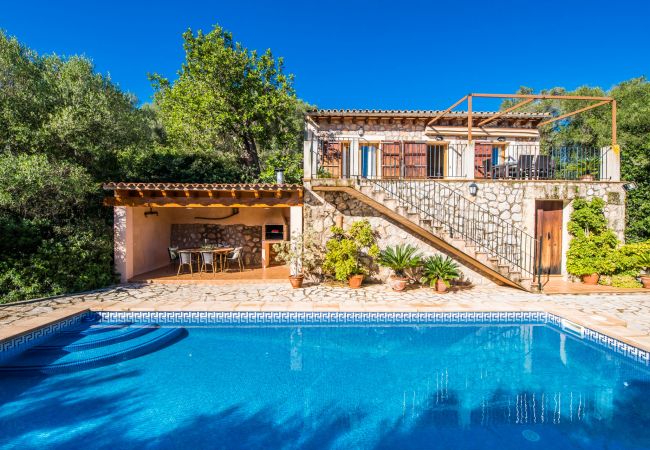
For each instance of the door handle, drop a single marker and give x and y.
(549, 236)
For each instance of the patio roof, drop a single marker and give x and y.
(203, 194)
(136, 186)
(404, 113)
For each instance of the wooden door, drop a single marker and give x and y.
(549, 230)
(390, 160)
(482, 152)
(415, 160)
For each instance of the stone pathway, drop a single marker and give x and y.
(632, 308)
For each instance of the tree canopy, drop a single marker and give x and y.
(230, 101)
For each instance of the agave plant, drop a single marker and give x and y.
(439, 267)
(400, 258)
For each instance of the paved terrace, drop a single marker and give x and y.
(625, 316)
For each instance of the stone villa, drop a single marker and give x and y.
(477, 186)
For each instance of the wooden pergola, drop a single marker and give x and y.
(529, 98)
(189, 195)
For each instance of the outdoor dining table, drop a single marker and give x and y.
(221, 252)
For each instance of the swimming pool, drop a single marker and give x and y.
(330, 380)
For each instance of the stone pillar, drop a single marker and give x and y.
(307, 163)
(610, 163)
(295, 224)
(468, 161)
(123, 241)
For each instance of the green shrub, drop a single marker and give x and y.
(621, 281)
(352, 252)
(592, 248)
(628, 258)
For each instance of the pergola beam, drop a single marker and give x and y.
(573, 113)
(543, 96)
(435, 119)
(505, 111)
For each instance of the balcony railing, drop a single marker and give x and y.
(458, 160)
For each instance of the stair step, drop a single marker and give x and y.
(72, 342)
(48, 361)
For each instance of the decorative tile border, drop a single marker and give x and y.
(296, 317)
(13, 346)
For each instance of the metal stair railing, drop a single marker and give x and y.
(447, 208)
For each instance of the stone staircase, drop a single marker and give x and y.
(454, 223)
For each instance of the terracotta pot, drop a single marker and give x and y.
(397, 283)
(645, 279)
(441, 287)
(590, 279)
(296, 281)
(586, 178)
(355, 281)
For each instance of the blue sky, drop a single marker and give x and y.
(367, 54)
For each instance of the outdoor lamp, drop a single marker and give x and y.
(473, 189)
(439, 138)
(629, 186)
(279, 176)
(501, 139)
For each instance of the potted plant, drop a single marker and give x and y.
(438, 271)
(644, 262)
(303, 254)
(399, 259)
(593, 245)
(350, 255)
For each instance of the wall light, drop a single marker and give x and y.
(439, 138)
(501, 139)
(473, 189)
(151, 212)
(629, 186)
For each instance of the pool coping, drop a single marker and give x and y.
(606, 330)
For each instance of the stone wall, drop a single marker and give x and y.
(513, 201)
(191, 235)
(321, 208)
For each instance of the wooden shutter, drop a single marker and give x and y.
(390, 160)
(415, 160)
(481, 153)
(332, 159)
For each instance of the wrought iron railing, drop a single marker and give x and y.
(521, 161)
(461, 218)
(448, 160)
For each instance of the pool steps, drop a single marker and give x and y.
(89, 348)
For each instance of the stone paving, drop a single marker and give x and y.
(633, 308)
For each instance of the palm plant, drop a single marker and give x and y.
(644, 262)
(400, 258)
(441, 268)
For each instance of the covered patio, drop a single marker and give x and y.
(159, 225)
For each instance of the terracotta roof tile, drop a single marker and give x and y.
(127, 186)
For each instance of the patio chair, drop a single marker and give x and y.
(185, 259)
(235, 256)
(208, 259)
(544, 167)
(524, 166)
(173, 255)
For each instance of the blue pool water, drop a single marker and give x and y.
(335, 386)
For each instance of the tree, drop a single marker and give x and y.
(228, 100)
(63, 128)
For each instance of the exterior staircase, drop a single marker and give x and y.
(452, 222)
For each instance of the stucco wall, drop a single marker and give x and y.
(141, 242)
